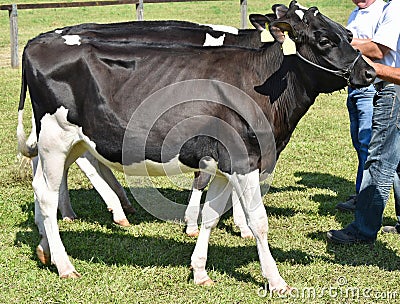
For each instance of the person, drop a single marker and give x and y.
(383, 152)
(362, 23)
(390, 74)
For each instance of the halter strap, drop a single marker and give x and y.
(345, 73)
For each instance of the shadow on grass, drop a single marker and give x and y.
(377, 254)
(327, 203)
(121, 247)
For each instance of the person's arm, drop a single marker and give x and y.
(358, 41)
(385, 72)
(370, 49)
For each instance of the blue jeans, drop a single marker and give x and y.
(380, 167)
(396, 187)
(360, 107)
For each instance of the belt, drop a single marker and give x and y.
(379, 86)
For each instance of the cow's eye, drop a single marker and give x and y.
(324, 42)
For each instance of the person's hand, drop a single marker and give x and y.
(369, 61)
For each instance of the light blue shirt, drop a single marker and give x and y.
(363, 22)
(388, 33)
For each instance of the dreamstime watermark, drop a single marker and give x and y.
(211, 125)
(340, 290)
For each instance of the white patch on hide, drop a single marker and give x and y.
(72, 39)
(211, 41)
(224, 28)
(300, 13)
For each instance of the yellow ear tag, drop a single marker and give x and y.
(266, 36)
(288, 45)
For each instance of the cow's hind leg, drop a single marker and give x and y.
(91, 167)
(114, 184)
(64, 202)
(57, 150)
(247, 187)
(216, 199)
(239, 217)
(201, 180)
(46, 184)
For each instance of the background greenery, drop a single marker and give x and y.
(149, 261)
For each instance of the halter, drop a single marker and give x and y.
(345, 73)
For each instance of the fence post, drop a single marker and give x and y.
(243, 14)
(139, 10)
(13, 14)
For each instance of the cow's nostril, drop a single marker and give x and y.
(370, 74)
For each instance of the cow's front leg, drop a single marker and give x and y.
(192, 213)
(248, 190)
(216, 199)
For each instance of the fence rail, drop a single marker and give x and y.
(85, 3)
(13, 14)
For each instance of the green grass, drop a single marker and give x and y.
(149, 261)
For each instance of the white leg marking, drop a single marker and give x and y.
(56, 138)
(216, 199)
(239, 217)
(90, 166)
(192, 212)
(248, 189)
(111, 180)
(64, 202)
(45, 187)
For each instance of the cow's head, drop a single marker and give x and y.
(319, 41)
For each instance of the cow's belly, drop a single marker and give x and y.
(152, 168)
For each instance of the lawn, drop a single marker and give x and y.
(148, 262)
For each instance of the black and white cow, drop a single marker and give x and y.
(170, 32)
(86, 95)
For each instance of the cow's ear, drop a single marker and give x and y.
(280, 10)
(260, 22)
(278, 29)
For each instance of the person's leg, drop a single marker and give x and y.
(396, 188)
(360, 108)
(379, 171)
(364, 105)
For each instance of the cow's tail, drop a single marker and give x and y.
(27, 148)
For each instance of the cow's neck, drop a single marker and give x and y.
(289, 95)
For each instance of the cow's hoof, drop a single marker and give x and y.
(68, 219)
(247, 235)
(43, 257)
(207, 282)
(72, 275)
(193, 233)
(123, 223)
(284, 291)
